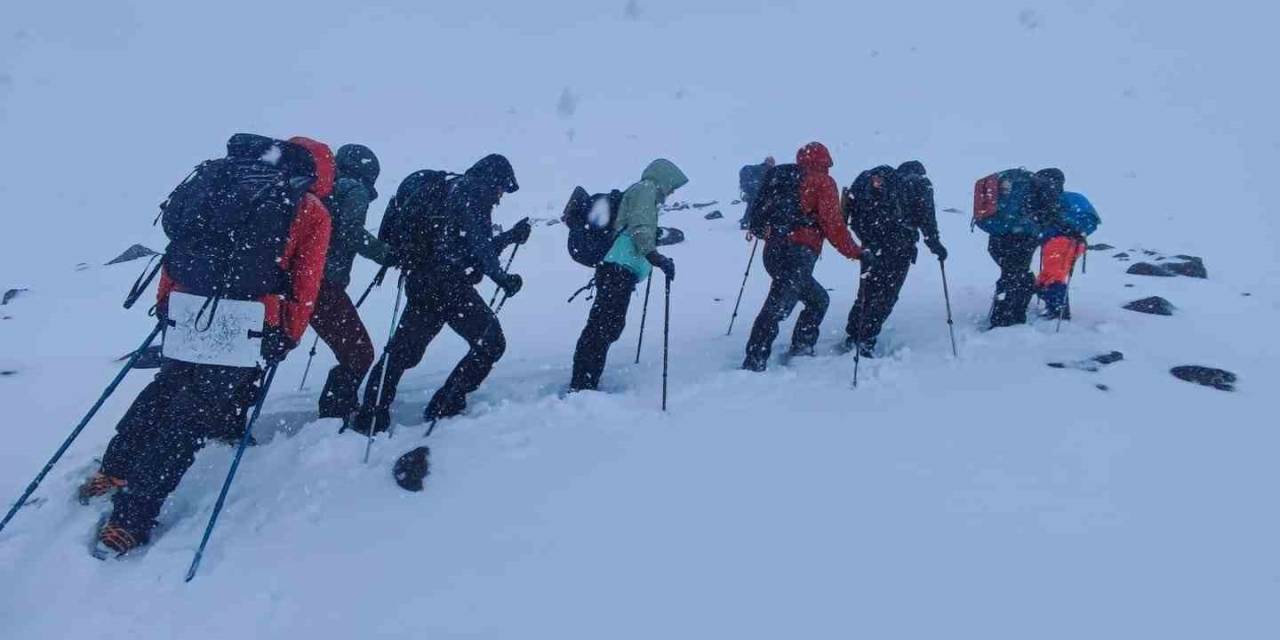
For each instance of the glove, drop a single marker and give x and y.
(276, 345)
(936, 247)
(519, 234)
(395, 258)
(511, 284)
(475, 277)
(867, 258)
(667, 265)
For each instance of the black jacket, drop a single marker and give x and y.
(465, 240)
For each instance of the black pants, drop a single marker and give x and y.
(1016, 285)
(608, 317)
(156, 441)
(878, 291)
(434, 301)
(791, 267)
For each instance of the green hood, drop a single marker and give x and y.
(665, 175)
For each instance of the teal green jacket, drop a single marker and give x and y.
(637, 219)
(348, 208)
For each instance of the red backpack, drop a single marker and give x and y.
(986, 197)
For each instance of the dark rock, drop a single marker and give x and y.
(952, 210)
(8, 372)
(704, 205)
(1128, 285)
(133, 253)
(1148, 269)
(669, 235)
(1121, 256)
(1101, 387)
(1102, 246)
(1091, 364)
(675, 206)
(1219, 379)
(1246, 294)
(1155, 305)
(714, 215)
(1191, 267)
(11, 294)
(83, 266)
(1150, 252)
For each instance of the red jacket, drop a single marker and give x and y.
(820, 200)
(304, 252)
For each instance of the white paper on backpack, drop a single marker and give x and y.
(200, 334)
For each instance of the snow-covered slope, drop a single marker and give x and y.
(981, 496)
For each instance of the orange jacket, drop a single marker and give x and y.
(304, 252)
(1057, 259)
(820, 200)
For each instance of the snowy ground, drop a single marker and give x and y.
(981, 496)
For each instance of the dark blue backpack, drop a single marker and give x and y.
(229, 221)
(1078, 214)
(776, 210)
(410, 214)
(591, 236)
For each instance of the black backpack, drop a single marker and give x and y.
(418, 201)
(876, 215)
(776, 209)
(229, 221)
(591, 237)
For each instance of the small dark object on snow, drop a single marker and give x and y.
(11, 294)
(718, 299)
(1207, 376)
(669, 235)
(1102, 246)
(553, 222)
(704, 205)
(714, 215)
(150, 358)
(1191, 267)
(1101, 387)
(1148, 269)
(1092, 364)
(1150, 252)
(1121, 256)
(1128, 285)
(952, 210)
(83, 266)
(675, 206)
(1246, 294)
(1155, 305)
(8, 372)
(133, 253)
(411, 468)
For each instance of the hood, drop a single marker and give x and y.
(814, 157)
(358, 162)
(325, 167)
(912, 168)
(1053, 177)
(666, 175)
(494, 170)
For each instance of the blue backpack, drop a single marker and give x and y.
(1078, 213)
(1002, 204)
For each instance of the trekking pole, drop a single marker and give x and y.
(643, 315)
(268, 375)
(75, 433)
(862, 321)
(666, 342)
(946, 295)
(497, 289)
(144, 280)
(386, 364)
(377, 280)
(737, 304)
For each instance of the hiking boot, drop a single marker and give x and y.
(97, 486)
(799, 351)
(444, 405)
(367, 417)
(114, 540)
(757, 365)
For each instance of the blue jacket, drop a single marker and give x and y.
(466, 241)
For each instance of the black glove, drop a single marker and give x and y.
(935, 245)
(475, 277)
(667, 265)
(867, 257)
(511, 284)
(519, 234)
(276, 345)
